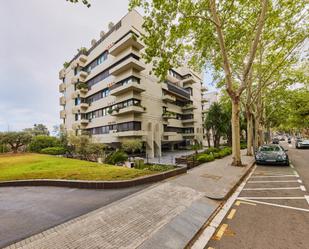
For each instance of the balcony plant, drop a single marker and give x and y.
(66, 64)
(110, 111)
(82, 50)
(81, 85)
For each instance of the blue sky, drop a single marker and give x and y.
(37, 36)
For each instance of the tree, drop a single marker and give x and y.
(41, 142)
(38, 129)
(132, 145)
(217, 120)
(15, 139)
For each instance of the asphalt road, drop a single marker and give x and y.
(25, 211)
(272, 210)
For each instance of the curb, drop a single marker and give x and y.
(216, 211)
(95, 184)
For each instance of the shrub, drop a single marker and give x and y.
(217, 155)
(54, 151)
(132, 145)
(203, 158)
(116, 157)
(225, 151)
(243, 146)
(4, 148)
(212, 150)
(41, 142)
(154, 167)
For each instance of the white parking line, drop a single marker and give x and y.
(275, 181)
(307, 198)
(273, 188)
(296, 173)
(277, 205)
(274, 176)
(274, 198)
(300, 181)
(303, 188)
(292, 166)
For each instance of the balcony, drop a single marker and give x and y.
(127, 64)
(204, 111)
(203, 89)
(128, 110)
(62, 114)
(62, 100)
(84, 121)
(131, 86)
(130, 134)
(204, 101)
(168, 98)
(62, 74)
(189, 80)
(171, 137)
(179, 91)
(188, 121)
(62, 87)
(82, 107)
(188, 107)
(82, 59)
(175, 123)
(188, 135)
(169, 115)
(129, 40)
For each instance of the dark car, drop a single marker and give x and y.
(303, 144)
(275, 140)
(272, 154)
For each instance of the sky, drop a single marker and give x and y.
(36, 38)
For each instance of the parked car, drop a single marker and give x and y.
(304, 144)
(275, 140)
(297, 141)
(272, 154)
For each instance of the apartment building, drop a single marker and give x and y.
(108, 91)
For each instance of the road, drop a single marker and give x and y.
(25, 211)
(271, 211)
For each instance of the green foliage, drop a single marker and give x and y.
(53, 151)
(79, 144)
(96, 149)
(132, 145)
(4, 148)
(212, 150)
(15, 139)
(81, 85)
(38, 129)
(66, 64)
(155, 167)
(203, 158)
(116, 157)
(218, 120)
(85, 2)
(41, 142)
(82, 50)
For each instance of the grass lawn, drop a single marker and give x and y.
(37, 166)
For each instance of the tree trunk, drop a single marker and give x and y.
(256, 132)
(236, 132)
(249, 134)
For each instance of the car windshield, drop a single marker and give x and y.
(306, 141)
(270, 148)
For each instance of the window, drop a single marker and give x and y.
(127, 126)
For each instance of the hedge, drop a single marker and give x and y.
(54, 151)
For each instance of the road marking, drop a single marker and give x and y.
(243, 202)
(272, 198)
(274, 176)
(220, 232)
(296, 173)
(278, 205)
(209, 231)
(231, 214)
(275, 181)
(211, 248)
(300, 181)
(303, 188)
(292, 166)
(273, 188)
(307, 198)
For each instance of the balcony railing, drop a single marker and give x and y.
(62, 87)
(178, 90)
(129, 62)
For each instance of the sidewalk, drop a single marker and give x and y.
(165, 215)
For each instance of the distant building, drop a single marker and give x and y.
(108, 91)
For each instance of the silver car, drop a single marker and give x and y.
(272, 154)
